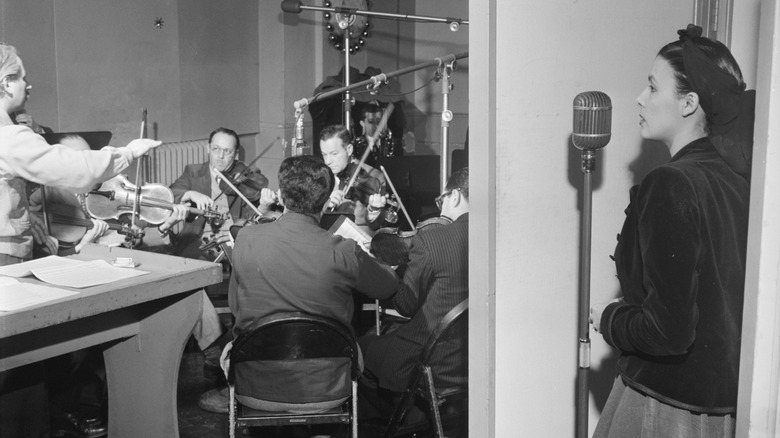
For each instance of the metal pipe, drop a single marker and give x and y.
(302, 103)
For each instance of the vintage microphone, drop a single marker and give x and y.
(592, 131)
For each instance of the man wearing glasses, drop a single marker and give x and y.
(434, 281)
(200, 185)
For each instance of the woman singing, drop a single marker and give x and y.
(680, 257)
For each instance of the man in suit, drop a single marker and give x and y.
(435, 280)
(201, 185)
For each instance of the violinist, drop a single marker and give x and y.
(434, 281)
(202, 186)
(386, 146)
(366, 197)
(26, 156)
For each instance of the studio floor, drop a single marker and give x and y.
(194, 422)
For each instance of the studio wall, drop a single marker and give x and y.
(95, 65)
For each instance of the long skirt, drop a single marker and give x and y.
(629, 413)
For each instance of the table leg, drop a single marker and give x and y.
(142, 371)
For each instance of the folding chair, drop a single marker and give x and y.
(289, 337)
(421, 383)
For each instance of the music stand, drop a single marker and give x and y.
(95, 139)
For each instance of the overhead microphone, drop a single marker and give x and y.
(592, 120)
(291, 6)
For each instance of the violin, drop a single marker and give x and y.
(116, 197)
(391, 245)
(246, 179)
(362, 187)
(69, 223)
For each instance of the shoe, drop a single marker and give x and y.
(213, 352)
(215, 400)
(74, 426)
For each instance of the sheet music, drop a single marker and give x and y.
(347, 229)
(63, 271)
(85, 274)
(19, 270)
(16, 295)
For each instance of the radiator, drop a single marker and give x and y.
(168, 159)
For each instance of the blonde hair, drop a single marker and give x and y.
(10, 63)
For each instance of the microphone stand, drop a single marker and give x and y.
(588, 166)
(445, 63)
(446, 118)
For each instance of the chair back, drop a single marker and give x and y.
(422, 383)
(291, 336)
(444, 330)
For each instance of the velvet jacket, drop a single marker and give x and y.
(680, 260)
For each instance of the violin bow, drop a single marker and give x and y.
(138, 176)
(392, 188)
(371, 141)
(238, 177)
(42, 188)
(240, 195)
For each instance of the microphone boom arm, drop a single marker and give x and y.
(303, 103)
(297, 7)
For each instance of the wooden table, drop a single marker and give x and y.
(144, 322)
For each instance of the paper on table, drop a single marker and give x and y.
(84, 274)
(25, 269)
(16, 295)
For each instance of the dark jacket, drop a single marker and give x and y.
(293, 265)
(197, 177)
(435, 281)
(680, 260)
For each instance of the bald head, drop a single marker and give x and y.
(75, 142)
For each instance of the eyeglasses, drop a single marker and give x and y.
(440, 199)
(222, 152)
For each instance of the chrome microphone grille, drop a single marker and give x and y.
(592, 120)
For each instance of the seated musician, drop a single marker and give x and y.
(370, 116)
(435, 280)
(293, 265)
(365, 199)
(201, 185)
(385, 145)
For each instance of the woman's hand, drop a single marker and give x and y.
(141, 146)
(596, 310)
